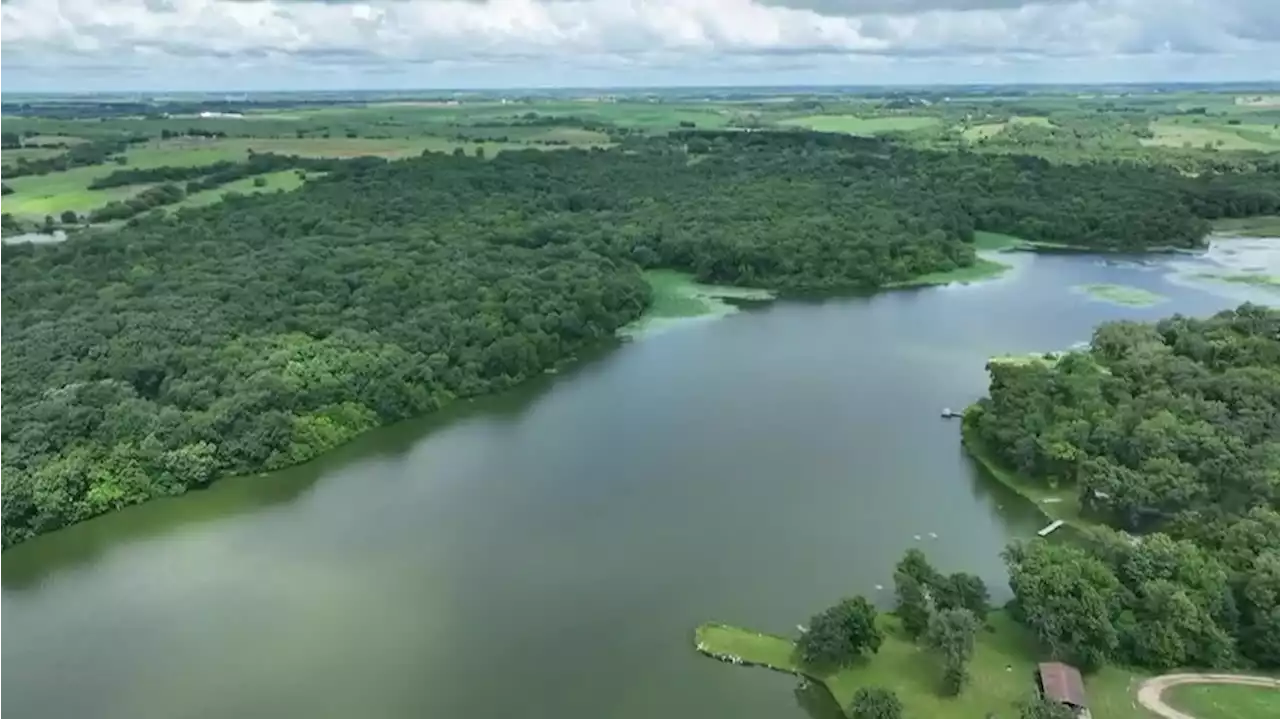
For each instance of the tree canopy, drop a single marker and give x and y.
(875, 703)
(261, 331)
(841, 634)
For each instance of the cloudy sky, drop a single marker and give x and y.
(77, 45)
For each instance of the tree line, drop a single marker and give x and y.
(1170, 433)
(202, 177)
(260, 331)
(97, 151)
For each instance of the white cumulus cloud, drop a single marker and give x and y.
(81, 42)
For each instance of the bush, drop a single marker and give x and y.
(875, 703)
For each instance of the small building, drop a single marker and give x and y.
(1063, 684)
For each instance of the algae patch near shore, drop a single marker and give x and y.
(1124, 295)
(678, 298)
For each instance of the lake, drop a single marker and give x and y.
(548, 552)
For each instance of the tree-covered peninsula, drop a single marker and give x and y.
(1170, 431)
(261, 331)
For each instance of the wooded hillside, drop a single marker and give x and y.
(262, 331)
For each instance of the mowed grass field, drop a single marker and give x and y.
(855, 125)
(1002, 672)
(35, 196)
(1224, 701)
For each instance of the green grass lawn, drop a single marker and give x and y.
(1224, 701)
(1262, 226)
(38, 195)
(1121, 295)
(1001, 670)
(854, 125)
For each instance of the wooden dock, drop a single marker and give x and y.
(1050, 529)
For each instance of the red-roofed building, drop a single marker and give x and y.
(1062, 683)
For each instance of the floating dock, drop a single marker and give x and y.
(1049, 529)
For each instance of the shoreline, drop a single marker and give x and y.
(1063, 504)
(674, 288)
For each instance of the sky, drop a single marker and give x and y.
(246, 45)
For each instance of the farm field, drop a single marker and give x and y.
(1261, 138)
(30, 153)
(990, 129)
(1188, 128)
(855, 125)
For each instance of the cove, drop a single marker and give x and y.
(549, 551)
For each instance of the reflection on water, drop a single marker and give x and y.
(816, 701)
(1227, 266)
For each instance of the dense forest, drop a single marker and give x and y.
(1170, 431)
(261, 331)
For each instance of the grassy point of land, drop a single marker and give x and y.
(1003, 662)
(678, 297)
(1224, 701)
(1262, 226)
(1121, 295)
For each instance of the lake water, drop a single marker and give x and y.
(548, 552)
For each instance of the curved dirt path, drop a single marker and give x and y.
(1149, 691)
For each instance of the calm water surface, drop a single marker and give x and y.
(547, 553)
